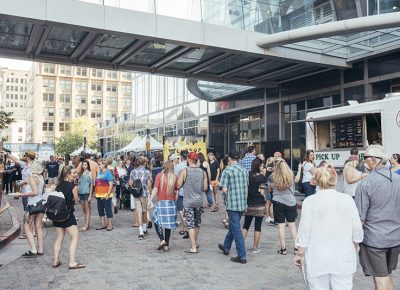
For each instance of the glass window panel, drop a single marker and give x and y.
(14, 33)
(152, 53)
(356, 73)
(109, 46)
(356, 93)
(63, 40)
(232, 62)
(193, 58)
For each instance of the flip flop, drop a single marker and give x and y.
(135, 226)
(182, 233)
(83, 229)
(29, 254)
(191, 252)
(109, 229)
(77, 266)
(100, 228)
(57, 265)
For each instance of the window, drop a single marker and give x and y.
(96, 86)
(7, 96)
(96, 101)
(49, 83)
(81, 71)
(190, 128)
(112, 102)
(81, 86)
(112, 74)
(96, 115)
(16, 80)
(111, 115)
(97, 73)
(126, 89)
(47, 126)
(170, 130)
(65, 98)
(65, 112)
(65, 85)
(49, 68)
(126, 104)
(65, 70)
(48, 112)
(62, 127)
(20, 130)
(112, 88)
(20, 139)
(48, 97)
(80, 112)
(127, 76)
(81, 99)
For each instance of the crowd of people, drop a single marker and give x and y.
(336, 224)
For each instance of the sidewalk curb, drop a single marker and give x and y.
(11, 234)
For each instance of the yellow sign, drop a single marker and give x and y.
(176, 144)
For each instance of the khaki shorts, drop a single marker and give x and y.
(378, 262)
(52, 180)
(141, 204)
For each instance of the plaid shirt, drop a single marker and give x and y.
(144, 175)
(236, 179)
(246, 161)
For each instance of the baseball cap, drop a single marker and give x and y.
(277, 154)
(193, 155)
(173, 157)
(234, 155)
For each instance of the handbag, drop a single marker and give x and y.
(36, 208)
(300, 187)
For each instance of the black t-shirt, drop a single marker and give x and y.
(214, 170)
(66, 188)
(52, 168)
(254, 196)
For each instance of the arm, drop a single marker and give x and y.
(75, 194)
(218, 173)
(297, 178)
(181, 178)
(350, 178)
(110, 187)
(208, 170)
(12, 157)
(153, 194)
(90, 186)
(205, 182)
(33, 184)
(361, 199)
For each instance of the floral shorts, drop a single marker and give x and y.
(192, 217)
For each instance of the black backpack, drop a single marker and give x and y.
(56, 207)
(300, 187)
(137, 188)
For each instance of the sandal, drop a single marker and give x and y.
(84, 229)
(77, 266)
(191, 252)
(215, 209)
(296, 250)
(57, 265)
(29, 254)
(100, 228)
(110, 229)
(160, 247)
(182, 233)
(282, 251)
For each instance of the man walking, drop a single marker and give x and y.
(144, 175)
(378, 202)
(234, 184)
(194, 181)
(52, 170)
(248, 158)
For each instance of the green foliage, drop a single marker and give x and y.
(73, 138)
(5, 119)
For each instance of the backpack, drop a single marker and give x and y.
(55, 207)
(137, 188)
(300, 187)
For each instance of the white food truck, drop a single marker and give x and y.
(333, 132)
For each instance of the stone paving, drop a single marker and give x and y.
(118, 260)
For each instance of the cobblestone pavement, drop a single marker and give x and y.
(118, 260)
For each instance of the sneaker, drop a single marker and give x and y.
(272, 223)
(145, 233)
(255, 251)
(149, 225)
(115, 209)
(186, 236)
(141, 237)
(221, 247)
(239, 260)
(267, 219)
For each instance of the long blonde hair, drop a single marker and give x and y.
(168, 175)
(282, 177)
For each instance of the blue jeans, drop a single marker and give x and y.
(209, 197)
(104, 205)
(235, 233)
(308, 189)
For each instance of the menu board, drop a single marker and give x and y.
(347, 133)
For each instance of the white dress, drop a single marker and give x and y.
(329, 226)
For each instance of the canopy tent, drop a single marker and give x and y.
(129, 147)
(141, 145)
(80, 149)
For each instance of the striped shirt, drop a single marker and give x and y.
(235, 179)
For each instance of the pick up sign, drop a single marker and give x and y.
(334, 157)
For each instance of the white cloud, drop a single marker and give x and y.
(15, 64)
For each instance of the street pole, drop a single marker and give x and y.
(148, 142)
(84, 140)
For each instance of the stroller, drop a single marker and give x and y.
(125, 192)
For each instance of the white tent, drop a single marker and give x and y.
(141, 145)
(80, 149)
(131, 145)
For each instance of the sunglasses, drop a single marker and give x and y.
(368, 156)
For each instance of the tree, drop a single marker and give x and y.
(73, 137)
(5, 119)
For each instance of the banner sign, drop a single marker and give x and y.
(43, 151)
(175, 144)
(334, 157)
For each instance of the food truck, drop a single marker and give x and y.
(333, 132)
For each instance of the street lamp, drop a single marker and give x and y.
(84, 140)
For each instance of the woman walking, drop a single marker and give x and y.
(214, 177)
(329, 233)
(34, 194)
(284, 202)
(164, 216)
(104, 193)
(255, 202)
(206, 168)
(120, 171)
(68, 186)
(352, 176)
(309, 169)
(85, 188)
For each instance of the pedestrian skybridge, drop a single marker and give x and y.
(182, 38)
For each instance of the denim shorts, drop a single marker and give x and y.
(179, 203)
(267, 196)
(84, 197)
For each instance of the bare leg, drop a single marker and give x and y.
(28, 233)
(197, 231)
(102, 222)
(89, 214)
(383, 283)
(139, 218)
(215, 191)
(182, 221)
(281, 233)
(72, 231)
(39, 231)
(257, 236)
(293, 232)
(244, 233)
(57, 244)
(109, 223)
(192, 236)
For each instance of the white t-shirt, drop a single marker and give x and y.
(329, 226)
(307, 175)
(25, 173)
